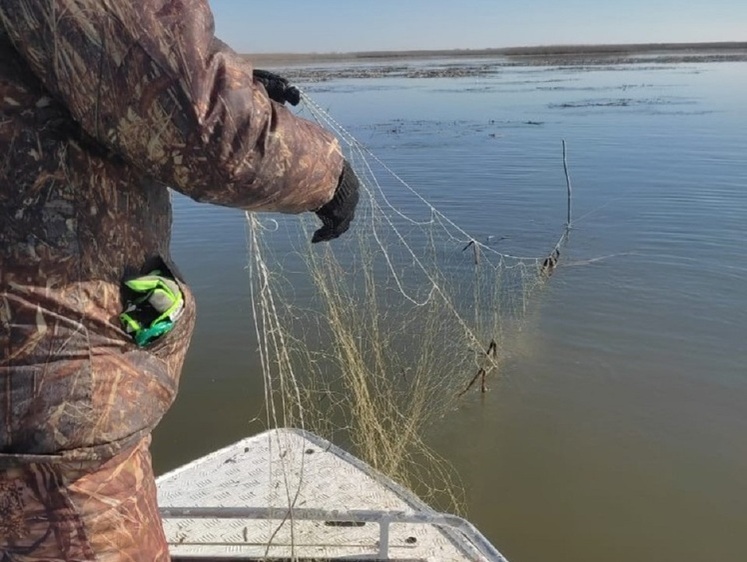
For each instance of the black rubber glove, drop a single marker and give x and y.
(340, 211)
(278, 87)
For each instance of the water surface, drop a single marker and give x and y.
(618, 430)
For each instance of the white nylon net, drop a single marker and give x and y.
(371, 340)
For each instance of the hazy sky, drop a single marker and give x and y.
(362, 25)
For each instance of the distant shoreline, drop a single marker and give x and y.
(537, 55)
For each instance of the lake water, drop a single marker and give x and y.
(619, 429)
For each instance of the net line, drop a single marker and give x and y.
(372, 340)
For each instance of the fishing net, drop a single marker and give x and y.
(372, 340)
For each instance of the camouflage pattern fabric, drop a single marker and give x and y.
(80, 511)
(104, 103)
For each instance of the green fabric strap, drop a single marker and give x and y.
(162, 293)
(159, 293)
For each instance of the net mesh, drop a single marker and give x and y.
(372, 340)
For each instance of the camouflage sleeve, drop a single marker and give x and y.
(150, 81)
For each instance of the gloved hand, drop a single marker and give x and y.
(278, 87)
(339, 212)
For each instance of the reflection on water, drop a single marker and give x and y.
(618, 429)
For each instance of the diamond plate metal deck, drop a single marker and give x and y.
(234, 503)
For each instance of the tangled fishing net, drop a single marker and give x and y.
(370, 341)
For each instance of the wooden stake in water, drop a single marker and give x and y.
(568, 185)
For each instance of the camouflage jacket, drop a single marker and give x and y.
(104, 103)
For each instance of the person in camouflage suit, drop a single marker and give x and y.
(105, 103)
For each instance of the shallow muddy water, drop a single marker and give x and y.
(618, 430)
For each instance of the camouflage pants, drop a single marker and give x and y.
(61, 512)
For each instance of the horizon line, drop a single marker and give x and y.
(561, 48)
